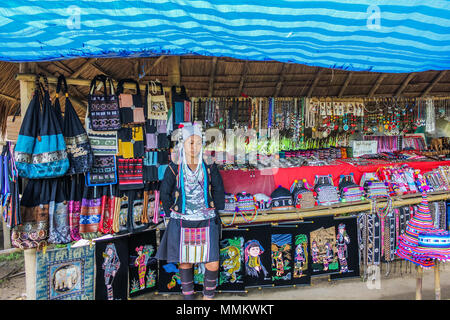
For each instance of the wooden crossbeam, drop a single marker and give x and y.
(157, 62)
(316, 80)
(435, 80)
(404, 84)
(345, 85)
(377, 84)
(212, 76)
(280, 80)
(9, 97)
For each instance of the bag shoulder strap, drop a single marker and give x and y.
(154, 85)
(99, 77)
(61, 81)
(122, 81)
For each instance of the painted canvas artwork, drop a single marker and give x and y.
(169, 280)
(232, 269)
(257, 257)
(301, 258)
(112, 269)
(65, 274)
(323, 251)
(282, 257)
(143, 267)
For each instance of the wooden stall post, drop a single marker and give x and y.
(26, 93)
(419, 282)
(437, 281)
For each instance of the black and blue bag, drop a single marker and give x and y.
(78, 146)
(40, 150)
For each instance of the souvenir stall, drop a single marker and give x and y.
(318, 182)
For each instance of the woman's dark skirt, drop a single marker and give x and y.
(187, 241)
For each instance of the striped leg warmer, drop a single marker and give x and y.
(209, 283)
(187, 283)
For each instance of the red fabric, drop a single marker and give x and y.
(238, 180)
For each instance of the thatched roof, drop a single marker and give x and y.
(208, 76)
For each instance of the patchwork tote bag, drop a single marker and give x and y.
(131, 142)
(131, 109)
(40, 150)
(59, 225)
(103, 108)
(156, 102)
(34, 209)
(78, 146)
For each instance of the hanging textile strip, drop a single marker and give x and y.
(156, 212)
(362, 238)
(373, 239)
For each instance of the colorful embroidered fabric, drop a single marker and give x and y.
(103, 109)
(78, 146)
(34, 209)
(326, 192)
(349, 190)
(302, 194)
(91, 206)
(130, 174)
(65, 274)
(131, 142)
(59, 226)
(40, 150)
(103, 171)
(131, 109)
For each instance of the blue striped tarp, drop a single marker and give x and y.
(370, 35)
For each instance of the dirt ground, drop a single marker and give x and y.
(395, 287)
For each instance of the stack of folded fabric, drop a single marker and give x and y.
(349, 190)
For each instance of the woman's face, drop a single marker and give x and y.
(193, 146)
(254, 251)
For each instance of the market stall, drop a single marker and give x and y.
(335, 158)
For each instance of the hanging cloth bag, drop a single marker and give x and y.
(34, 206)
(178, 99)
(103, 171)
(103, 108)
(77, 186)
(107, 209)
(131, 109)
(91, 206)
(156, 102)
(131, 142)
(40, 151)
(59, 226)
(77, 142)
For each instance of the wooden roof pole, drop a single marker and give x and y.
(376, 85)
(212, 77)
(243, 77)
(404, 84)
(280, 80)
(345, 85)
(435, 80)
(26, 93)
(316, 80)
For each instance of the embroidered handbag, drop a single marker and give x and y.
(103, 171)
(302, 195)
(349, 190)
(178, 101)
(103, 109)
(131, 109)
(34, 205)
(136, 211)
(121, 222)
(326, 192)
(245, 203)
(150, 169)
(149, 206)
(59, 229)
(131, 142)
(40, 150)
(77, 186)
(130, 174)
(156, 103)
(107, 210)
(91, 211)
(103, 143)
(373, 187)
(77, 142)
